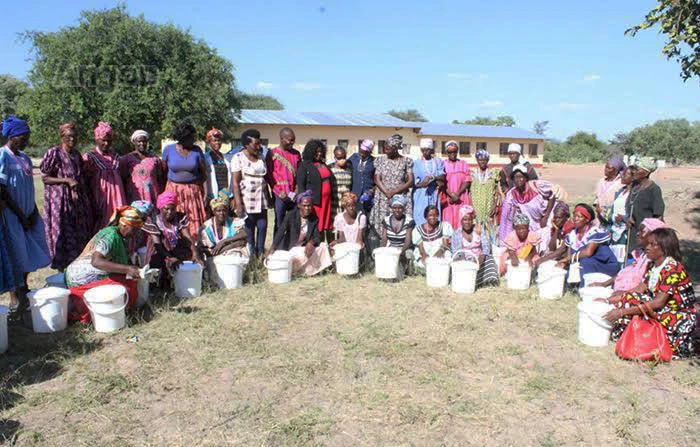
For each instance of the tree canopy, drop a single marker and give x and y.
(679, 21)
(664, 139)
(11, 90)
(130, 72)
(408, 115)
(260, 102)
(504, 120)
(581, 147)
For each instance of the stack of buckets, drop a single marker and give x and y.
(593, 330)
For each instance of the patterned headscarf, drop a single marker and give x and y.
(562, 207)
(138, 134)
(165, 199)
(367, 145)
(451, 143)
(222, 199)
(308, 194)
(647, 164)
(395, 140)
(399, 199)
(521, 219)
(127, 215)
(465, 210)
(482, 154)
(617, 163)
(14, 127)
(348, 198)
(103, 130)
(64, 128)
(212, 133)
(143, 207)
(651, 223)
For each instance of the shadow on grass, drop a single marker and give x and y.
(691, 249)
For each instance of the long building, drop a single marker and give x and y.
(349, 129)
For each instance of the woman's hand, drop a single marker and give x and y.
(72, 183)
(133, 272)
(425, 182)
(309, 249)
(196, 257)
(514, 261)
(240, 211)
(613, 315)
(561, 265)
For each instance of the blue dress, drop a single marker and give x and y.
(423, 197)
(27, 249)
(603, 260)
(7, 279)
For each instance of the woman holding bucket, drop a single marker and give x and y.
(432, 239)
(105, 261)
(552, 237)
(397, 229)
(520, 244)
(468, 239)
(350, 224)
(223, 235)
(299, 234)
(666, 291)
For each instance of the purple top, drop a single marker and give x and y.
(183, 169)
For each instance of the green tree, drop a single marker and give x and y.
(11, 90)
(260, 102)
(408, 115)
(666, 139)
(582, 147)
(128, 71)
(679, 21)
(540, 127)
(504, 120)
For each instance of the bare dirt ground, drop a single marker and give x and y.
(339, 362)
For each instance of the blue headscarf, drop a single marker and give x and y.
(144, 208)
(481, 154)
(14, 127)
(617, 163)
(399, 199)
(308, 194)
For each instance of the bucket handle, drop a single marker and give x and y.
(347, 252)
(468, 256)
(42, 303)
(265, 263)
(113, 311)
(597, 320)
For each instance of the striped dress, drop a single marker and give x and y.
(397, 238)
(341, 183)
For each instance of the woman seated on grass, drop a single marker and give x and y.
(520, 244)
(469, 239)
(170, 242)
(589, 244)
(350, 224)
(552, 244)
(666, 290)
(299, 235)
(431, 239)
(397, 229)
(105, 261)
(222, 235)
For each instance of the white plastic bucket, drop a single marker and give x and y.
(546, 267)
(386, 262)
(347, 258)
(4, 311)
(141, 253)
(49, 308)
(593, 330)
(464, 273)
(518, 278)
(279, 267)
(589, 294)
(228, 271)
(497, 252)
(550, 283)
(437, 271)
(188, 280)
(56, 280)
(107, 304)
(591, 278)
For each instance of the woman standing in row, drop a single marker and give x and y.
(393, 175)
(315, 176)
(218, 167)
(458, 182)
(142, 172)
(523, 198)
(427, 171)
(645, 199)
(484, 191)
(68, 211)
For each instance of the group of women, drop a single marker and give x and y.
(190, 205)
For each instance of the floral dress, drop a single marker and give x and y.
(144, 179)
(393, 173)
(677, 316)
(484, 184)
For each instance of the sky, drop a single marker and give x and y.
(562, 61)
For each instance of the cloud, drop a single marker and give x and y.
(468, 76)
(264, 85)
(488, 103)
(306, 86)
(592, 77)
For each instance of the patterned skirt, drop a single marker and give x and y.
(190, 198)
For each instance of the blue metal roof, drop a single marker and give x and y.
(249, 116)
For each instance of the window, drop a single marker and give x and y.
(503, 149)
(481, 146)
(533, 149)
(464, 147)
(264, 141)
(379, 147)
(343, 144)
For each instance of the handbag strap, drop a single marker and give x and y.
(647, 311)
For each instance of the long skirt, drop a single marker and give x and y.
(7, 279)
(320, 260)
(323, 211)
(190, 197)
(81, 313)
(487, 275)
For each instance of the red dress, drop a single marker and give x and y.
(323, 211)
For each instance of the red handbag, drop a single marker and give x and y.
(644, 339)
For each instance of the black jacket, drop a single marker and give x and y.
(308, 177)
(287, 234)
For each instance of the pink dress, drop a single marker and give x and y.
(513, 242)
(102, 171)
(144, 179)
(457, 173)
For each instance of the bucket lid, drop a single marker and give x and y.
(106, 293)
(48, 293)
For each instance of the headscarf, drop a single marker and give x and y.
(399, 199)
(544, 187)
(451, 143)
(465, 210)
(395, 140)
(308, 194)
(222, 199)
(138, 134)
(482, 154)
(103, 130)
(14, 127)
(652, 223)
(563, 207)
(165, 199)
(348, 198)
(426, 143)
(127, 215)
(212, 133)
(144, 208)
(519, 168)
(617, 163)
(521, 219)
(367, 145)
(514, 147)
(582, 210)
(647, 164)
(64, 128)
